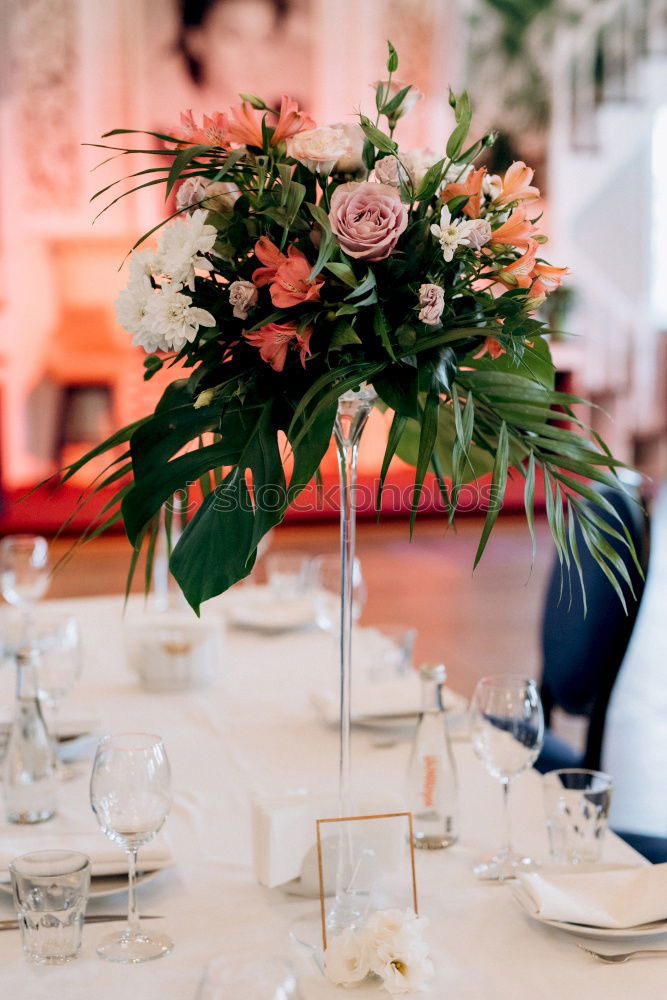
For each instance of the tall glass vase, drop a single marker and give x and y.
(353, 411)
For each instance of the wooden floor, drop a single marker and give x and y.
(477, 624)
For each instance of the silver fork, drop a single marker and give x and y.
(621, 957)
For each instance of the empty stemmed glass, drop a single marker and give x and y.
(56, 637)
(507, 730)
(130, 793)
(24, 573)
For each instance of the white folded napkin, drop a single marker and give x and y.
(619, 898)
(106, 857)
(257, 606)
(383, 699)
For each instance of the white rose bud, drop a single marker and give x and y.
(417, 162)
(190, 193)
(387, 171)
(352, 162)
(220, 195)
(479, 233)
(432, 302)
(319, 149)
(242, 296)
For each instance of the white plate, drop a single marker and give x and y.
(106, 885)
(585, 930)
(259, 609)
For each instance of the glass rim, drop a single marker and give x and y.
(151, 740)
(83, 863)
(22, 537)
(590, 771)
(505, 680)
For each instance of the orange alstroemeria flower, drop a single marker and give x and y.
(212, 131)
(271, 257)
(244, 124)
(287, 275)
(492, 347)
(548, 278)
(519, 274)
(472, 187)
(517, 231)
(290, 121)
(516, 185)
(274, 341)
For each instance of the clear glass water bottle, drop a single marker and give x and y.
(28, 773)
(432, 791)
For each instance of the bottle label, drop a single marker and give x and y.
(431, 762)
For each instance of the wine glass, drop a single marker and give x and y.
(24, 573)
(130, 793)
(326, 598)
(56, 637)
(507, 730)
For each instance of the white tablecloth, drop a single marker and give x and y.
(256, 731)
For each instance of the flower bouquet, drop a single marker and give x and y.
(304, 261)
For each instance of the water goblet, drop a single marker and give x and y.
(507, 730)
(130, 794)
(24, 573)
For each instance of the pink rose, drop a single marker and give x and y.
(367, 218)
(242, 296)
(432, 302)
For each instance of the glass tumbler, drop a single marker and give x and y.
(51, 892)
(577, 805)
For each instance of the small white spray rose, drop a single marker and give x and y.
(242, 296)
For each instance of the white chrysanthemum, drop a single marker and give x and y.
(451, 234)
(132, 302)
(172, 320)
(181, 246)
(142, 265)
(456, 174)
(346, 959)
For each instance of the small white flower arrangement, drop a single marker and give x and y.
(390, 946)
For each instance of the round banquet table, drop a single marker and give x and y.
(254, 731)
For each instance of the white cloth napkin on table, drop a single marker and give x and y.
(383, 699)
(620, 898)
(106, 857)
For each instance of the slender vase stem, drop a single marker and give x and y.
(133, 925)
(347, 465)
(353, 411)
(506, 847)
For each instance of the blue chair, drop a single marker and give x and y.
(582, 655)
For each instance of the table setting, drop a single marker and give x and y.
(243, 739)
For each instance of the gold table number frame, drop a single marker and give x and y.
(354, 819)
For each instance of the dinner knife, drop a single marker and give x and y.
(94, 918)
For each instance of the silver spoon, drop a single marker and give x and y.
(621, 957)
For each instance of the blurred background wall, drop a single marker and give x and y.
(576, 86)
